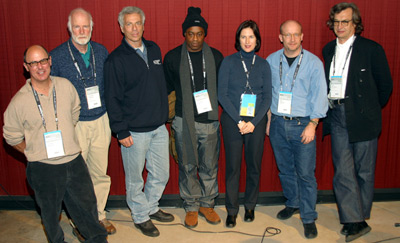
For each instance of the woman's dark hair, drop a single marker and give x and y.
(356, 18)
(252, 25)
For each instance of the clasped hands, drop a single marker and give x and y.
(245, 127)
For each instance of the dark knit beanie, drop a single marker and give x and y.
(194, 18)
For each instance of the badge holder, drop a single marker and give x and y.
(248, 105)
(202, 101)
(93, 97)
(54, 144)
(335, 86)
(285, 102)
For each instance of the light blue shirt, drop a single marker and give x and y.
(309, 91)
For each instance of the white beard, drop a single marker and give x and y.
(80, 41)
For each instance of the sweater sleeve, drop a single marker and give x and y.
(113, 82)
(266, 94)
(13, 131)
(76, 105)
(223, 86)
(169, 72)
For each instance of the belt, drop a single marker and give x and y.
(291, 118)
(337, 102)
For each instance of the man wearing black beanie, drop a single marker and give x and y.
(191, 71)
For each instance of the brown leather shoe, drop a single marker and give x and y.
(76, 232)
(191, 219)
(108, 226)
(210, 215)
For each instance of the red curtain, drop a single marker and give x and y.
(25, 22)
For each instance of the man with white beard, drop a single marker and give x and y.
(81, 61)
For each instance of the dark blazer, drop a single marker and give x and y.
(369, 85)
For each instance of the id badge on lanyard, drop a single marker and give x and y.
(285, 102)
(202, 101)
(93, 97)
(54, 144)
(248, 105)
(335, 86)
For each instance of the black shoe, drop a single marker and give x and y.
(248, 215)
(162, 216)
(357, 230)
(345, 229)
(287, 212)
(148, 228)
(310, 230)
(231, 221)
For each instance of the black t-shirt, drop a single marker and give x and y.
(199, 82)
(290, 60)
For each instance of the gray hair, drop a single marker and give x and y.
(69, 24)
(130, 10)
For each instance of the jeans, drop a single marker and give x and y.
(296, 164)
(354, 166)
(71, 183)
(198, 185)
(150, 148)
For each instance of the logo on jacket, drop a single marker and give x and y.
(157, 62)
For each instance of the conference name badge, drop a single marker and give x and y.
(248, 105)
(202, 101)
(54, 144)
(335, 86)
(285, 102)
(93, 97)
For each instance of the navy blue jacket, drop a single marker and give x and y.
(136, 94)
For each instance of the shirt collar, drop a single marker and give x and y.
(347, 44)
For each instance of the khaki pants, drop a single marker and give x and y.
(94, 139)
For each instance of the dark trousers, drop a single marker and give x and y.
(253, 149)
(354, 165)
(71, 183)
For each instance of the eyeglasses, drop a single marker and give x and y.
(344, 23)
(44, 61)
(295, 35)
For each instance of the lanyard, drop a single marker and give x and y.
(40, 106)
(248, 71)
(192, 73)
(295, 72)
(77, 66)
(347, 56)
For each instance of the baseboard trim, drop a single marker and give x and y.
(174, 200)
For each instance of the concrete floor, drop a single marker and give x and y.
(23, 226)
